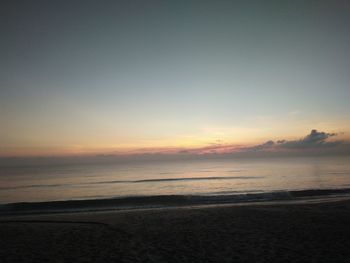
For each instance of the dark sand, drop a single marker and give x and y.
(255, 233)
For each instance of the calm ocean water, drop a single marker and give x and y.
(213, 177)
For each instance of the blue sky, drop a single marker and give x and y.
(101, 76)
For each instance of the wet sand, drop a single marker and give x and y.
(311, 232)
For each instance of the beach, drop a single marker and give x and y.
(259, 232)
(174, 131)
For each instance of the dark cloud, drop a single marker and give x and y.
(312, 140)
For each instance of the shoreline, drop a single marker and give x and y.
(174, 201)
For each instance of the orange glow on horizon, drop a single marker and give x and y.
(218, 140)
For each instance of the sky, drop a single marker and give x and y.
(104, 77)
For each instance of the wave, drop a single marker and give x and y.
(155, 180)
(184, 179)
(137, 202)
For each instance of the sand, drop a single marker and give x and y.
(318, 232)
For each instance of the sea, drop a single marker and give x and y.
(228, 180)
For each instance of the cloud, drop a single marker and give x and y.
(261, 147)
(313, 144)
(212, 149)
(313, 140)
(316, 142)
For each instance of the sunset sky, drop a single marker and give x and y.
(93, 77)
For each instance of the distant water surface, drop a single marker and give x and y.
(213, 177)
